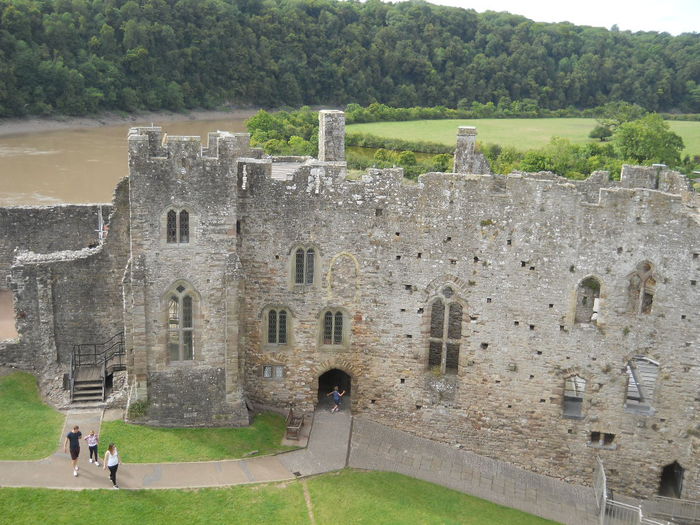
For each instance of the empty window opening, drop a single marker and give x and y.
(539, 352)
(595, 438)
(181, 312)
(641, 381)
(409, 336)
(484, 346)
(532, 327)
(277, 256)
(304, 263)
(453, 261)
(587, 301)
(372, 401)
(419, 255)
(532, 268)
(476, 259)
(683, 316)
(448, 239)
(398, 257)
(671, 482)
(178, 227)
(551, 305)
(608, 439)
(523, 264)
(420, 310)
(238, 227)
(488, 299)
(277, 327)
(574, 389)
(641, 289)
(378, 212)
(398, 234)
(403, 309)
(445, 332)
(693, 282)
(509, 242)
(408, 287)
(562, 328)
(696, 255)
(619, 250)
(403, 380)
(8, 328)
(543, 400)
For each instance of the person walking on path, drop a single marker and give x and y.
(92, 440)
(112, 462)
(337, 398)
(73, 439)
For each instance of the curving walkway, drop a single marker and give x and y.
(56, 471)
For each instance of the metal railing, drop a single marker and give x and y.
(682, 510)
(108, 356)
(613, 512)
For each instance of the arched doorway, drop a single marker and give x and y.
(671, 483)
(330, 379)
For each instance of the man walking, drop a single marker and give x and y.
(73, 440)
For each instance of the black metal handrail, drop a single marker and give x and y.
(108, 356)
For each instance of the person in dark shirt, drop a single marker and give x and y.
(337, 397)
(73, 439)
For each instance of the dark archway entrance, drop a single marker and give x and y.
(330, 379)
(671, 483)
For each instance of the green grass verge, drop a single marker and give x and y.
(387, 498)
(240, 505)
(522, 134)
(142, 444)
(29, 429)
(347, 497)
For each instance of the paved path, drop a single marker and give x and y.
(326, 451)
(373, 447)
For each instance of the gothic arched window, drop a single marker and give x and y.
(181, 313)
(445, 332)
(177, 226)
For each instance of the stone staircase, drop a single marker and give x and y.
(88, 386)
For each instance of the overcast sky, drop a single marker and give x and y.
(671, 16)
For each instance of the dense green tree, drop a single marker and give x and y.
(648, 140)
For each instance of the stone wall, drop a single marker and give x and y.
(70, 297)
(177, 175)
(514, 251)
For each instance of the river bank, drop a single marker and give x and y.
(9, 127)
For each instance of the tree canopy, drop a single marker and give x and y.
(83, 56)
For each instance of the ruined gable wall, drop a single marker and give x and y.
(45, 229)
(71, 296)
(507, 401)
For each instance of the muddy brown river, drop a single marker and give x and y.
(79, 165)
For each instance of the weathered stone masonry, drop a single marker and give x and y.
(472, 309)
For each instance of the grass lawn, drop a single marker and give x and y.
(522, 134)
(347, 497)
(240, 505)
(141, 444)
(388, 498)
(29, 429)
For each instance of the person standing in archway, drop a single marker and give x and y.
(337, 398)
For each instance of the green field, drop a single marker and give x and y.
(142, 444)
(347, 497)
(29, 429)
(522, 134)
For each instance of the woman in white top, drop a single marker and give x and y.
(112, 463)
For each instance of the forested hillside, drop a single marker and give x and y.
(82, 56)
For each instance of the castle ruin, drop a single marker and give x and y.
(529, 318)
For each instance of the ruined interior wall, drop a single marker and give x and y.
(72, 296)
(46, 229)
(515, 250)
